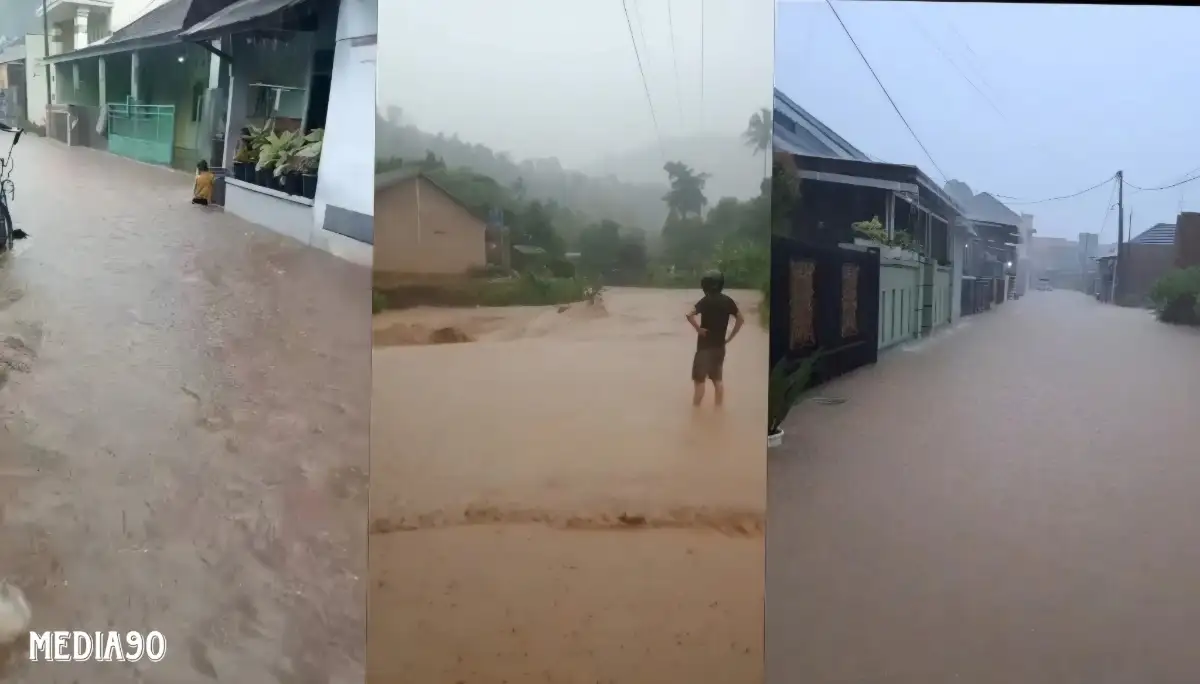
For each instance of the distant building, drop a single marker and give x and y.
(421, 228)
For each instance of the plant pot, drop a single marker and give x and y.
(775, 439)
(242, 171)
(264, 177)
(293, 183)
(308, 185)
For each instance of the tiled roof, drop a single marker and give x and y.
(1161, 234)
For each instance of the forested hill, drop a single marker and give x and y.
(628, 188)
(634, 205)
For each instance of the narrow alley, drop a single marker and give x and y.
(185, 405)
(1013, 502)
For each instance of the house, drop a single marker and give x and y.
(179, 83)
(989, 248)
(149, 86)
(423, 229)
(903, 280)
(258, 45)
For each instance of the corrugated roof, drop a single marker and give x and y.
(798, 132)
(165, 19)
(159, 26)
(239, 16)
(1160, 234)
(385, 181)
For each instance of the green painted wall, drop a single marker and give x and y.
(899, 305)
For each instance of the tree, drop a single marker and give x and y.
(600, 248)
(757, 136)
(534, 227)
(432, 163)
(686, 197)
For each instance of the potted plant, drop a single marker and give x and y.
(250, 145)
(288, 164)
(786, 385)
(270, 156)
(309, 162)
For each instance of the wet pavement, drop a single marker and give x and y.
(1013, 502)
(548, 506)
(185, 405)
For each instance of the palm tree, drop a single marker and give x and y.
(757, 136)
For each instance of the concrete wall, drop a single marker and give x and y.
(1187, 240)
(345, 201)
(421, 230)
(35, 80)
(899, 305)
(1142, 266)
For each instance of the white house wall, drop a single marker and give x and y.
(345, 203)
(35, 80)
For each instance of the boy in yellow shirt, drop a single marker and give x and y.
(202, 190)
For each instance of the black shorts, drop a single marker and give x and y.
(200, 200)
(708, 364)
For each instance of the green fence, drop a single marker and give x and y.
(142, 132)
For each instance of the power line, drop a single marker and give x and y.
(645, 86)
(1013, 200)
(886, 94)
(701, 64)
(954, 64)
(675, 59)
(1189, 179)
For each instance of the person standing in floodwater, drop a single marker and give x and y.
(710, 318)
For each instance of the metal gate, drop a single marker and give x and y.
(827, 299)
(142, 132)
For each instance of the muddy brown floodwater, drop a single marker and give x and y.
(1013, 503)
(184, 430)
(547, 506)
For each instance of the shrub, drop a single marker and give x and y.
(1176, 296)
(378, 301)
(561, 268)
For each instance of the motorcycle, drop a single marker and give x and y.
(8, 231)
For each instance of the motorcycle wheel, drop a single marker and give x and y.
(6, 229)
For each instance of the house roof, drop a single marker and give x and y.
(156, 28)
(798, 132)
(1160, 234)
(245, 15)
(982, 206)
(12, 53)
(391, 179)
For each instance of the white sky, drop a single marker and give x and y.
(542, 78)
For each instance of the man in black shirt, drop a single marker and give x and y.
(710, 318)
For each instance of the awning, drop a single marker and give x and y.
(244, 16)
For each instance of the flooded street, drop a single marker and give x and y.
(547, 505)
(1013, 502)
(185, 418)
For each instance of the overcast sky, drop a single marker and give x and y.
(542, 78)
(1081, 91)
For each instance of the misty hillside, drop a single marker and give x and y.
(631, 194)
(735, 170)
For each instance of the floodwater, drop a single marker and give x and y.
(184, 405)
(1014, 502)
(548, 506)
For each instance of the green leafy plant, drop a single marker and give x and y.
(875, 231)
(786, 385)
(1176, 296)
(276, 149)
(307, 159)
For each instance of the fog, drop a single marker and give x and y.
(546, 78)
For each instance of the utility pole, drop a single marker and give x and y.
(1120, 232)
(46, 56)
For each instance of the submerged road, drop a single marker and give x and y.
(184, 401)
(1015, 502)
